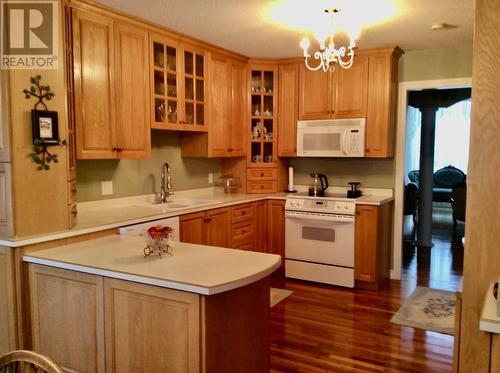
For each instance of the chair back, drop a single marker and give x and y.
(411, 199)
(448, 177)
(26, 362)
(414, 176)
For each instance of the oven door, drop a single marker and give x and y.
(320, 238)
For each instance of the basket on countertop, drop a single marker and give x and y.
(158, 241)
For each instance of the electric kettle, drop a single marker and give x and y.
(318, 185)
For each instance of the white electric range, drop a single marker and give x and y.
(319, 238)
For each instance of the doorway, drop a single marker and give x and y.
(400, 177)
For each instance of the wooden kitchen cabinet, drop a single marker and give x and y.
(260, 226)
(206, 228)
(226, 134)
(88, 323)
(288, 109)
(382, 102)
(7, 306)
(141, 320)
(110, 88)
(372, 244)
(276, 229)
(60, 300)
(337, 94)
(178, 85)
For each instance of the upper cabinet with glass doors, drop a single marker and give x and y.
(178, 81)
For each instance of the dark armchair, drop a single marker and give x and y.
(411, 203)
(445, 179)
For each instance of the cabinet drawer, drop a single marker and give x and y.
(242, 231)
(243, 245)
(262, 174)
(262, 186)
(242, 212)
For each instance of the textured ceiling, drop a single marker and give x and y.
(242, 25)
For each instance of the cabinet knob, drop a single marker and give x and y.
(261, 174)
(262, 187)
(367, 150)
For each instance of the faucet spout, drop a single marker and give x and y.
(165, 190)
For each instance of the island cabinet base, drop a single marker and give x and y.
(89, 323)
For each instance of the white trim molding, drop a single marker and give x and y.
(404, 87)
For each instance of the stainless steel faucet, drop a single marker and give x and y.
(166, 190)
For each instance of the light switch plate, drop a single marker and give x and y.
(210, 178)
(106, 188)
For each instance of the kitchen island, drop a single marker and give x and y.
(101, 306)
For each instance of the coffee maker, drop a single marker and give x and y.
(318, 185)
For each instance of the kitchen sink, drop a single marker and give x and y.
(183, 203)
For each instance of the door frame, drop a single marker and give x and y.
(399, 177)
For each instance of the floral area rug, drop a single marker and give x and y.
(428, 309)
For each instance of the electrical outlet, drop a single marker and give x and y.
(210, 178)
(106, 188)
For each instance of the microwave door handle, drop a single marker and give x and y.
(344, 141)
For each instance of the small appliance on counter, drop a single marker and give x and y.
(318, 185)
(229, 183)
(354, 192)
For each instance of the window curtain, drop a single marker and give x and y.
(451, 145)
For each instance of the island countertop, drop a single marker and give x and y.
(194, 268)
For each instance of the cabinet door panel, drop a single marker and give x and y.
(192, 228)
(314, 94)
(352, 89)
(60, 301)
(276, 229)
(380, 115)
(260, 226)
(238, 100)
(150, 329)
(133, 132)
(220, 107)
(219, 227)
(94, 85)
(366, 243)
(7, 312)
(288, 110)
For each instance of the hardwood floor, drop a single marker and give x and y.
(322, 328)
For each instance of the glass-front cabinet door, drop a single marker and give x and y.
(165, 82)
(263, 118)
(194, 87)
(178, 86)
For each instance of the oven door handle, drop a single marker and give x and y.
(312, 216)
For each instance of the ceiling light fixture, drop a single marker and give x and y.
(328, 55)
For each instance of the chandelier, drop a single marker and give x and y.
(328, 55)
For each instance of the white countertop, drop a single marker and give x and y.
(100, 215)
(199, 269)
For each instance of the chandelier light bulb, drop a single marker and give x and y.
(304, 44)
(328, 56)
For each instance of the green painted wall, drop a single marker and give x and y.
(436, 64)
(374, 173)
(135, 177)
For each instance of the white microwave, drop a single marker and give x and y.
(331, 138)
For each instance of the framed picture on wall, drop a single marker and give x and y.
(45, 128)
